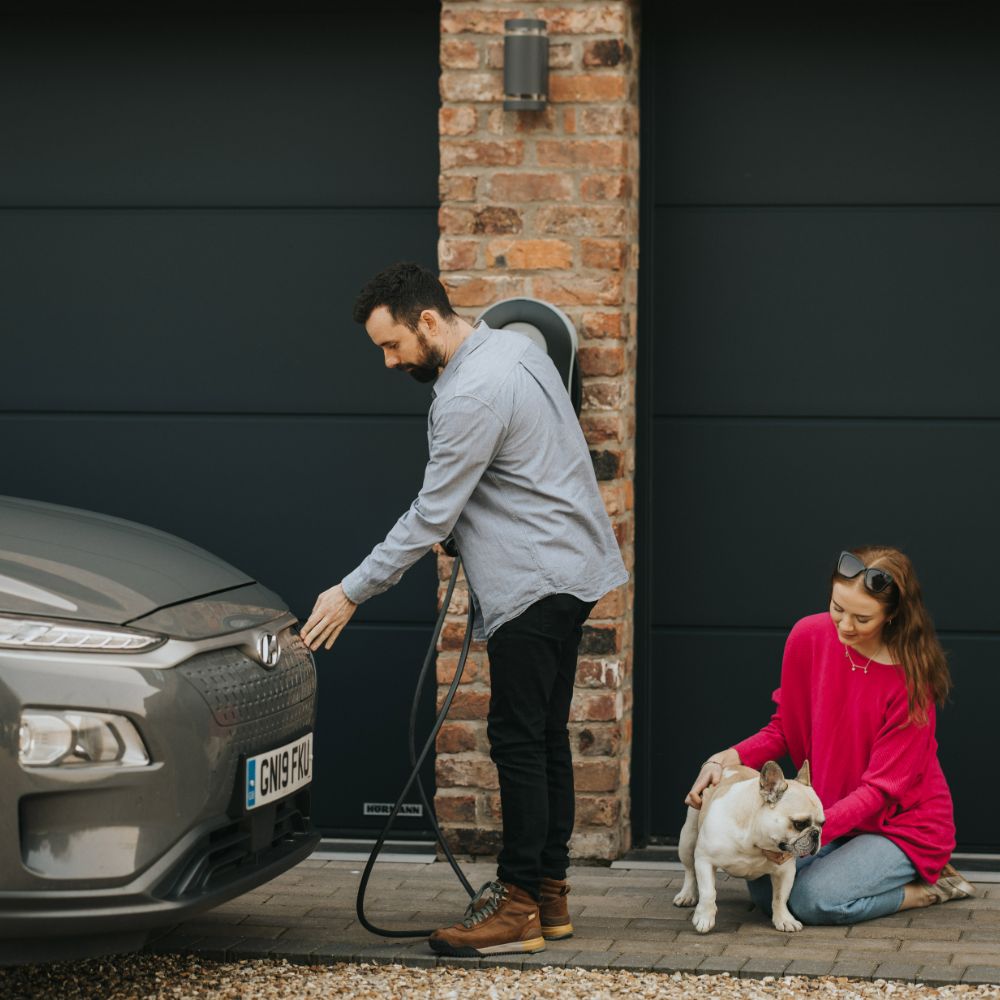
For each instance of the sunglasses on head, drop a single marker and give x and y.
(876, 580)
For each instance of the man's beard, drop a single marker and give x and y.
(431, 360)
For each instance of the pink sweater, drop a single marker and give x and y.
(873, 772)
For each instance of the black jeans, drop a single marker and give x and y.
(532, 671)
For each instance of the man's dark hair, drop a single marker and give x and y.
(406, 290)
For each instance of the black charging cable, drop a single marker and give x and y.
(416, 763)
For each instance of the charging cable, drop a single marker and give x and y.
(416, 762)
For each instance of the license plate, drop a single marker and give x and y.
(277, 773)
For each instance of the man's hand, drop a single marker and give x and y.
(332, 611)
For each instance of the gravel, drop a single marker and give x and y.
(137, 977)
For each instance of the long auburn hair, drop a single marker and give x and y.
(908, 630)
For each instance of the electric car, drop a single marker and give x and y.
(156, 710)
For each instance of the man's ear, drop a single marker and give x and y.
(429, 323)
(804, 775)
(772, 782)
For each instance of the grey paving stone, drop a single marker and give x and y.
(903, 971)
(592, 959)
(640, 961)
(714, 964)
(503, 961)
(854, 968)
(173, 944)
(978, 974)
(462, 963)
(678, 962)
(809, 967)
(331, 954)
(221, 949)
(940, 975)
(757, 968)
(552, 956)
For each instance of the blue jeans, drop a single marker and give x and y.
(850, 880)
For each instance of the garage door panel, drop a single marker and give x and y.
(813, 312)
(296, 504)
(247, 109)
(784, 105)
(711, 689)
(200, 311)
(748, 516)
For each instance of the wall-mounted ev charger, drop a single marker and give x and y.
(552, 330)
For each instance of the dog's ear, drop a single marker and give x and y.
(772, 782)
(804, 775)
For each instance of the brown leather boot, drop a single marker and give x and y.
(507, 921)
(554, 909)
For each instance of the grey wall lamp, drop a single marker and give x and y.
(525, 64)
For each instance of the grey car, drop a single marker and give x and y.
(156, 709)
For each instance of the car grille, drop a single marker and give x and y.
(238, 849)
(239, 690)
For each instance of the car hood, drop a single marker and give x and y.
(67, 563)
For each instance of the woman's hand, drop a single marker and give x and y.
(710, 774)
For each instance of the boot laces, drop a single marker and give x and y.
(475, 914)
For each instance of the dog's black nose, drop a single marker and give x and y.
(814, 834)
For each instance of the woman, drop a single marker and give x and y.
(857, 700)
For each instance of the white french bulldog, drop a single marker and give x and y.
(752, 823)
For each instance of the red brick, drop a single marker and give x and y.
(606, 187)
(569, 121)
(476, 153)
(455, 737)
(457, 121)
(455, 20)
(614, 501)
(447, 664)
(457, 187)
(597, 810)
(594, 153)
(481, 290)
(601, 640)
(604, 121)
(492, 811)
(531, 187)
(605, 359)
(457, 255)
(459, 85)
(607, 52)
(455, 808)
(528, 254)
(501, 122)
(469, 703)
(604, 395)
(599, 673)
(466, 772)
(599, 325)
(455, 221)
(605, 290)
(459, 598)
(596, 739)
(591, 19)
(594, 706)
(587, 87)
(597, 775)
(611, 255)
(611, 605)
(459, 53)
(496, 220)
(609, 463)
(564, 220)
(601, 427)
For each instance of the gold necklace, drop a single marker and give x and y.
(863, 667)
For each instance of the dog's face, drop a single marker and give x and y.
(791, 815)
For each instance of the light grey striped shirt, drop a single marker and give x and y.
(510, 475)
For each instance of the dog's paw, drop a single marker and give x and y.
(686, 897)
(787, 923)
(703, 920)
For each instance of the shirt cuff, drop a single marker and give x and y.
(354, 587)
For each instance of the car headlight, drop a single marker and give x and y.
(37, 633)
(57, 737)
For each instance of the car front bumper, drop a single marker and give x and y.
(88, 850)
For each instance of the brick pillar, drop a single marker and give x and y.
(545, 204)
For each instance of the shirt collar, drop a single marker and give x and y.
(475, 340)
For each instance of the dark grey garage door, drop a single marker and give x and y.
(188, 206)
(820, 358)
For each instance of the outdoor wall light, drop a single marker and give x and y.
(525, 65)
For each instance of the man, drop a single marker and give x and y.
(510, 477)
